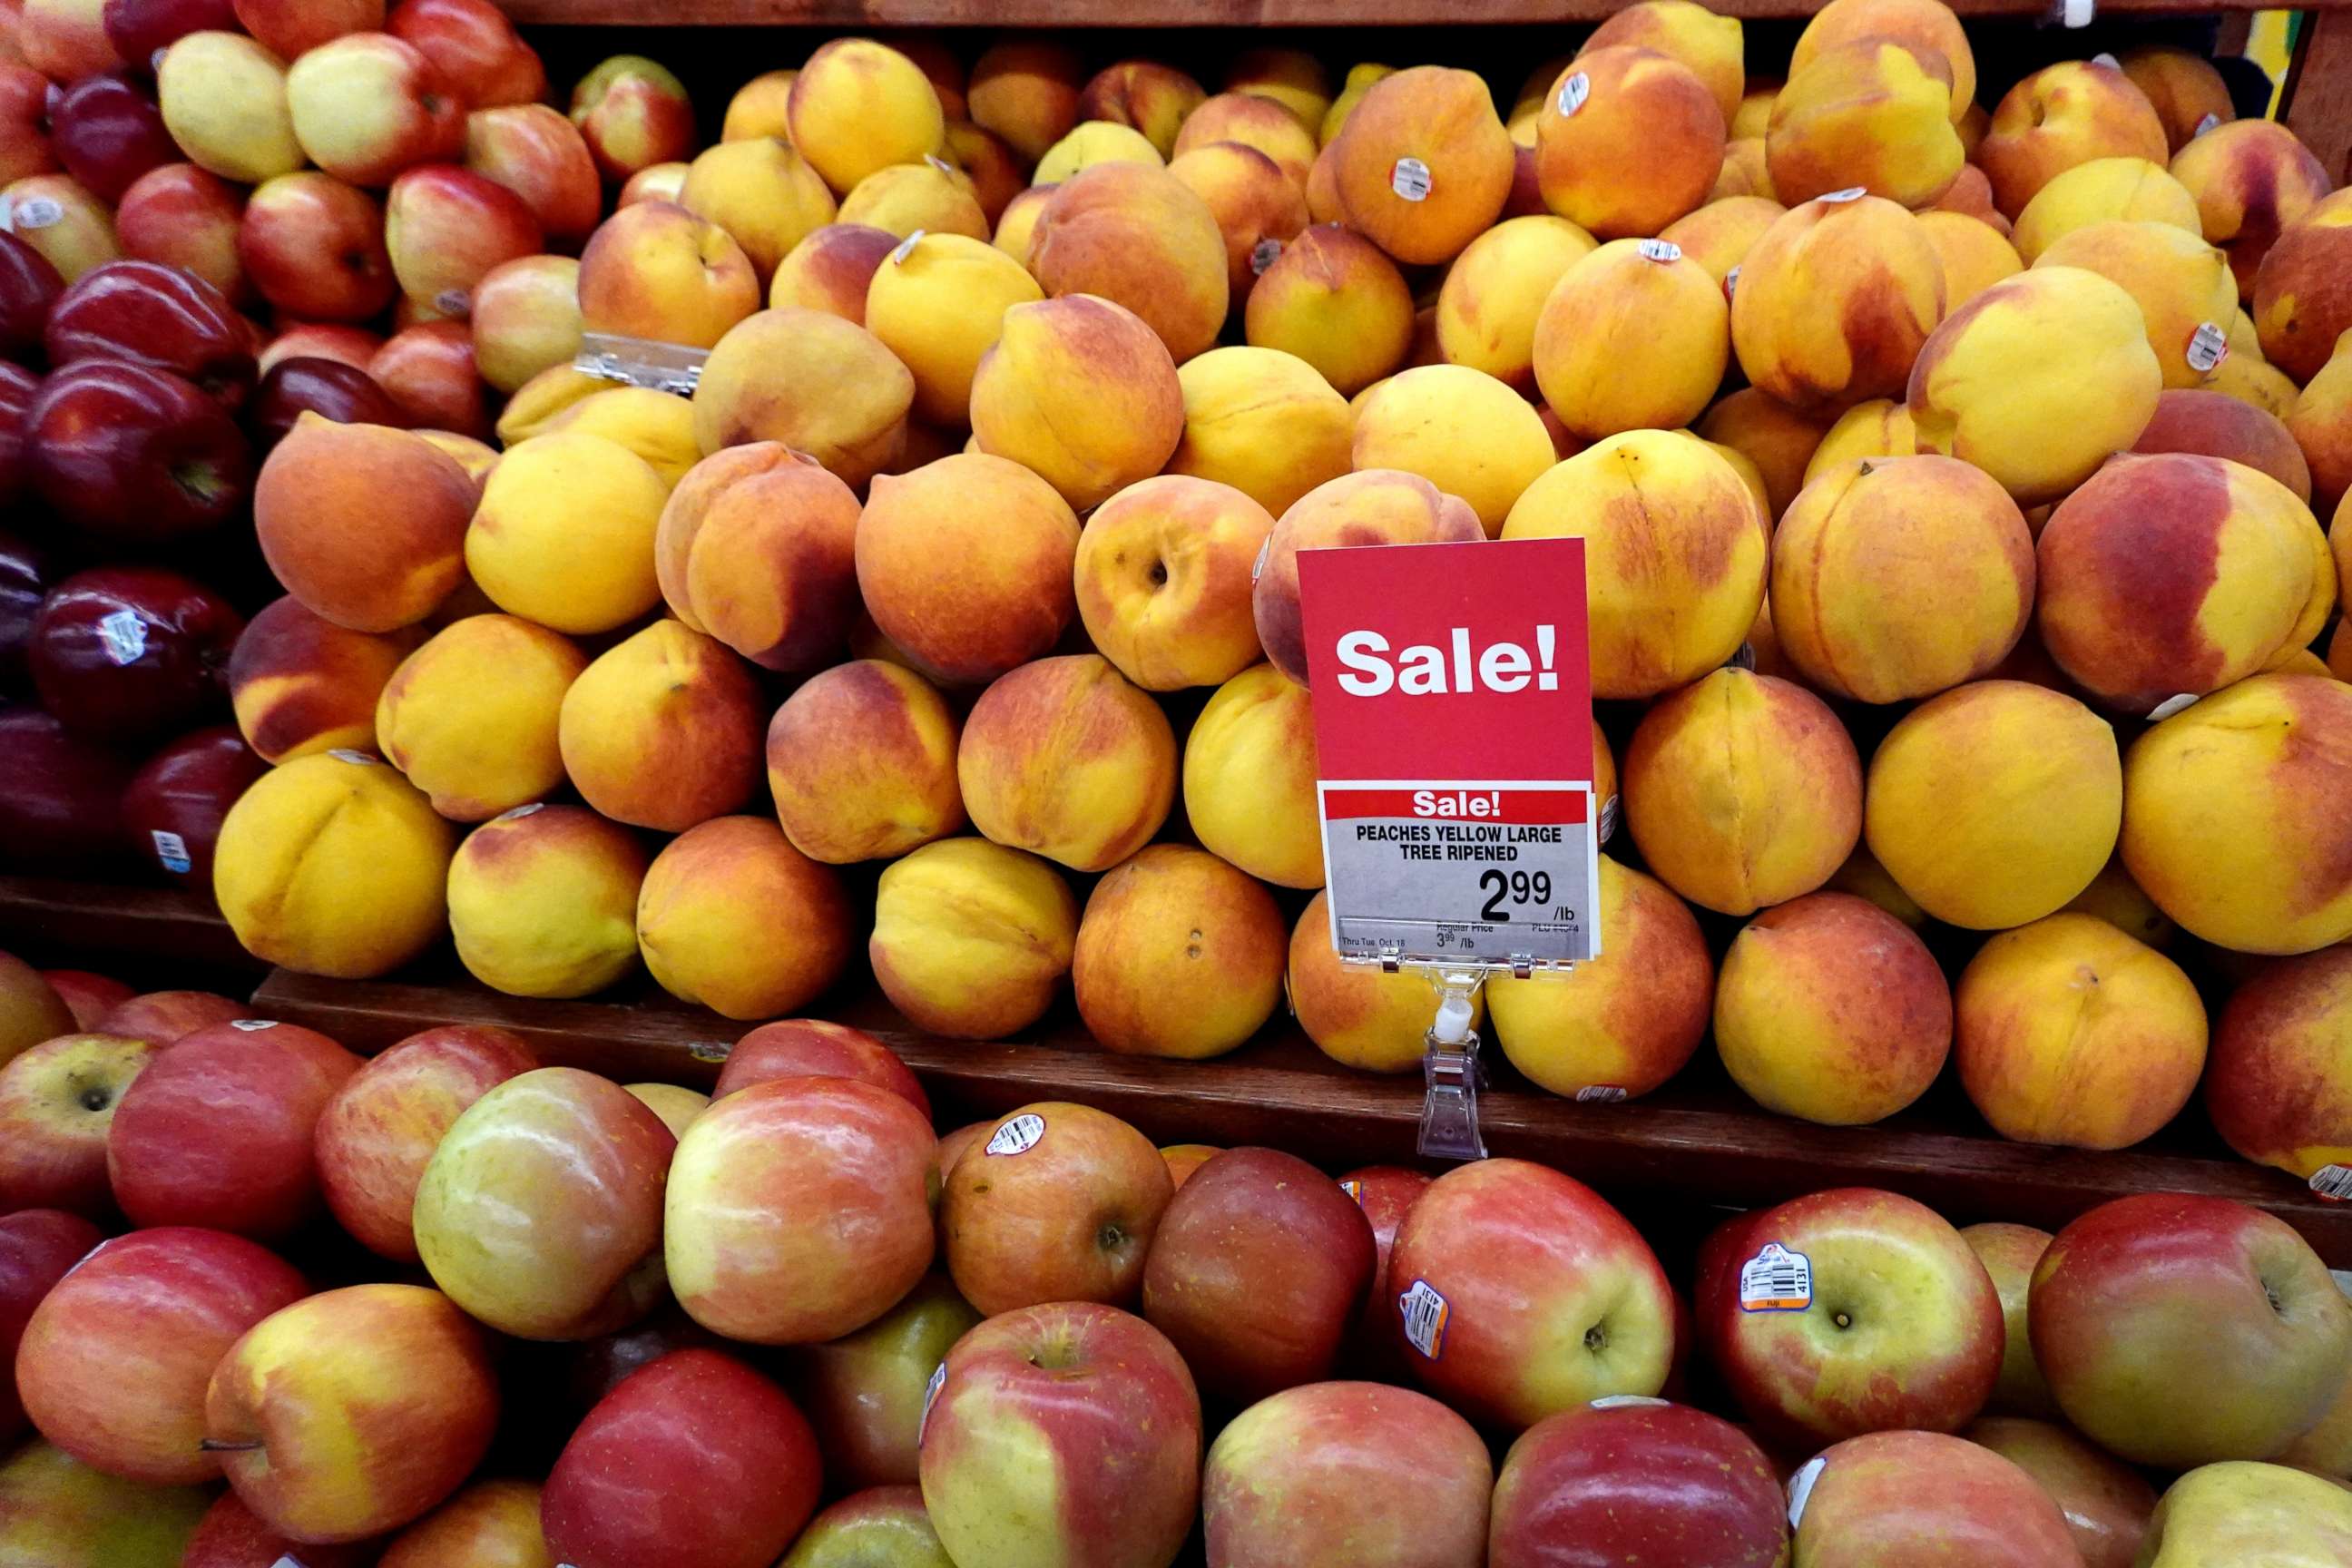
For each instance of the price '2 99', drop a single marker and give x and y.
(1518, 887)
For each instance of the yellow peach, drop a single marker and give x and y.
(1835, 301)
(1370, 506)
(1094, 142)
(1361, 78)
(1747, 172)
(859, 106)
(938, 304)
(1634, 336)
(1257, 207)
(814, 382)
(908, 199)
(1178, 955)
(2320, 419)
(862, 764)
(2059, 117)
(470, 717)
(1138, 238)
(657, 426)
(2105, 190)
(759, 108)
(732, 918)
(1151, 97)
(1628, 142)
(1880, 427)
(1080, 391)
(971, 938)
(1974, 254)
(1459, 428)
(1719, 235)
(1712, 46)
(1424, 166)
(1249, 778)
(758, 553)
(2251, 178)
(1162, 577)
(1780, 441)
(2181, 284)
(762, 193)
(1025, 89)
(1251, 121)
(564, 535)
(1873, 113)
(1357, 1014)
(830, 269)
(1017, 227)
(1495, 293)
(1065, 758)
(1334, 299)
(542, 901)
(662, 731)
(1291, 78)
(1925, 26)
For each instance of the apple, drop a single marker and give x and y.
(864, 1392)
(57, 1513)
(135, 455)
(881, 1527)
(810, 1047)
(125, 653)
(2137, 1292)
(540, 1210)
(378, 1133)
(143, 313)
(57, 1102)
(87, 996)
(446, 227)
(1890, 1498)
(367, 106)
(476, 48)
(1064, 1432)
(1183, 1159)
(1058, 1202)
(1386, 1194)
(232, 1535)
(2105, 1502)
(113, 1364)
(635, 113)
(179, 215)
(224, 99)
(139, 28)
(1637, 1480)
(36, 1248)
(2240, 1513)
(65, 38)
(313, 247)
(1521, 1293)
(429, 371)
(24, 577)
(525, 317)
(1258, 1271)
(18, 388)
(166, 1018)
(654, 183)
(61, 796)
(353, 1412)
(541, 156)
(490, 1524)
(173, 807)
(697, 1458)
(58, 217)
(289, 28)
(2009, 1252)
(594, 1368)
(328, 388)
(108, 132)
(677, 1105)
(29, 287)
(24, 148)
(354, 346)
(1348, 1475)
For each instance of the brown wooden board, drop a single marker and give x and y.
(2318, 105)
(89, 925)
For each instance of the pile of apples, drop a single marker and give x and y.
(623, 1326)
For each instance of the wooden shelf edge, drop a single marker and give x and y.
(52, 915)
(1071, 14)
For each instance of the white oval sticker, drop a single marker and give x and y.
(251, 1025)
(1572, 93)
(1850, 194)
(1660, 250)
(1801, 1489)
(1409, 179)
(1019, 1135)
(2208, 346)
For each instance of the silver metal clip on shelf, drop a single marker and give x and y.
(641, 362)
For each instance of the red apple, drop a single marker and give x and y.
(57, 1102)
(476, 48)
(864, 1392)
(428, 371)
(108, 132)
(18, 388)
(353, 1412)
(135, 455)
(125, 653)
(1522, 1293)
(446, 227)
(59, 796)
(36, 1248)
(25, 578)
(810, 1047)
(138, 29)
(166, 1018)
(1257, 1272)
(57, 1513)
(2138, 1290)
(1184, 1159)
(379, 1131)
(313, 245)
(1894, 1498)
(181, 217)
(2009, 1252)
(1386, 1194)
(65, 38)
(635, 113)
(2107, 1503)
(142, 313)
(541, 156)
(490, 1524)
(525, 318)
(328, 388)
(291, 28)
(24, 147)
(1637, 1480)
(113, 1364)
(1058, 1202)
(89, 996)
(29, 287)
(698, 1460)
(218, 1133)
(367, 106)
(354, 346)
(233, 1536)
(881, 1527)
(1349, 1475)
(173, 804)
(1063, 1433)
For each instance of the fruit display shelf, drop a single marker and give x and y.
(1697, 1141)
(62, 923)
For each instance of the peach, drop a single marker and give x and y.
(545, 398)
(2184, 88)
(1753, 114)
(2181, 285)
(908, 199)
(1617, 1026)
(971, 938)
(2063, 115)
(320, 514)
(1356, 1013)
(305, 835)
(1719, 235)
(862, 764)
(762, 193)
(1025, 89)
(1835, 301)
(1335, 300)
(1872, 112)
(734, 918)
(1080, 391)
(1747, 172)
(1252, 122)
(1971, 194)
(2037, 380)
(942, 66)
(301, 683)
(1323, 188)
(2115, 899)
(525, 318)
(1864, 878)
(760, 107)
(814, 382)
(1149, 97)
(1093, 142)
(996, 175)
(2277, 1089)
(1925, 26)
(1880, 427)
(1634, 336)
(2303, 290)
(1249, 778)
(1370, 506)
(939, 303)
(1674, 555)
(2105, 190)
(1780, 441)
(223, 99)
(1065, 758)
(564, 535)
(1138, 238)
(759, 555)
(1017, 227)
(1178, 955)
(1262, 421)
(470, 717)
(1974, 254)
(859, 106)
(1424, 166)
(1495, 293)
(655, 271)
(654, 183)
(2069, 1032)
(658, 426)
(542, 901)
(1629, 141)
(1459, 428)
(1994, 803)
(1361, 78)
(965, 563)
(830, 269)
(1256, 205)
(1710, 47)
(1291, 78)
(662, 731)
(1162, 579)
(32, 1011)
(2251, 178)
(2232, 818)
(2320, 419)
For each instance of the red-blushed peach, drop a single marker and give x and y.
(655, 270)
(2276, 1085)
(2105, 190)
(296, 844)
(814, 382)
(1334, 299)
(859, 106)
(2215, 425)
(1361, 78)
(2187, 93)
(1719, 236)
(1461, 429)
(830, 269)
(542, 901)
(1249, 778)
(1676, 548)
(1146, 95)
(301, 683)
(1711, 47)
(1178, 955)
(318, 512)
(564, 535)
(2303, 290)
(734, 918)
(2181, 285)
(1628, 141)
(1974, 254)
(1494, 291)
(760, 555)
(1780, 441)
(2320, 420)
(1867, 549)
(2062, 116)
(1634, 336)
(939, 303)
(1742, 791)
(759, 108)
(1025, 89)
(662, 731)
(971, 938)
(1138, 236)
(1424, 166)
(2070, 1032)
(966, 565)
(1371, 507)
(1835, 302)
(1256, 207)
(1162, 579)
(1292, 77)
(862, 764)
(1747, 172)
(996, 174)
(2005, 382)
(1091, 142)
(654, 183)
(1356, 1013)
(1878, 427)
(2264, 759)
(1873, 113)
(1995, 804)
(470, 717)
(1017, 224)
(1616, 1026)
(1923, 25)
(1065, 758)
(762, 193)
(1079, 391)
(1251, 122)
(2251, 178)
(1832, 1010)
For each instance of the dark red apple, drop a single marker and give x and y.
(108, 133)
(142, 312)
(232, 1535)
(29, 285)
(328, 388)
(36, 1248)
(25, 575)
(135, 454)
(594, 1368)
(128, 653)
(18, 388)
(1637, 1480)
(174, 803)
(1386, 1194)
(59, 796)
(138, 29)
(25, 98)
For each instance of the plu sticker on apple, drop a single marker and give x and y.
(1426, 1314)
(1017, 1136)
(2332, 1182)
(1775, 1281)
(939, 1380)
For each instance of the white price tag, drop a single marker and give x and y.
(1425, 1314)
(1409, 179)
(1484, 872)
(1017, 1136)
(1775, 1281)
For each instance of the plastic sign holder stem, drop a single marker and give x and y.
(1450, 1071)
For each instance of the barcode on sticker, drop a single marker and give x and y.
(1573, 92)
(939, 1380)
(357, 758)
(1017, 1136)
(1355, 1191)
(1600, 1094)
(1409, 179)
(2208, 346)
(1660, 250)
(1775, 1281)
(2332, 1183)
(1425, 1314)
(905, 247)
(172, 851)
(124, 635)
(2206, 124)
(1262, 255)
(1801, 1489)
(1850, 194)
(250, 1025)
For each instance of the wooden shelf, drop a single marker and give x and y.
(65, 923)
(1068, 14)
(1698, 1141)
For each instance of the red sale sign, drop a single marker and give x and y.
(1453, 728)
